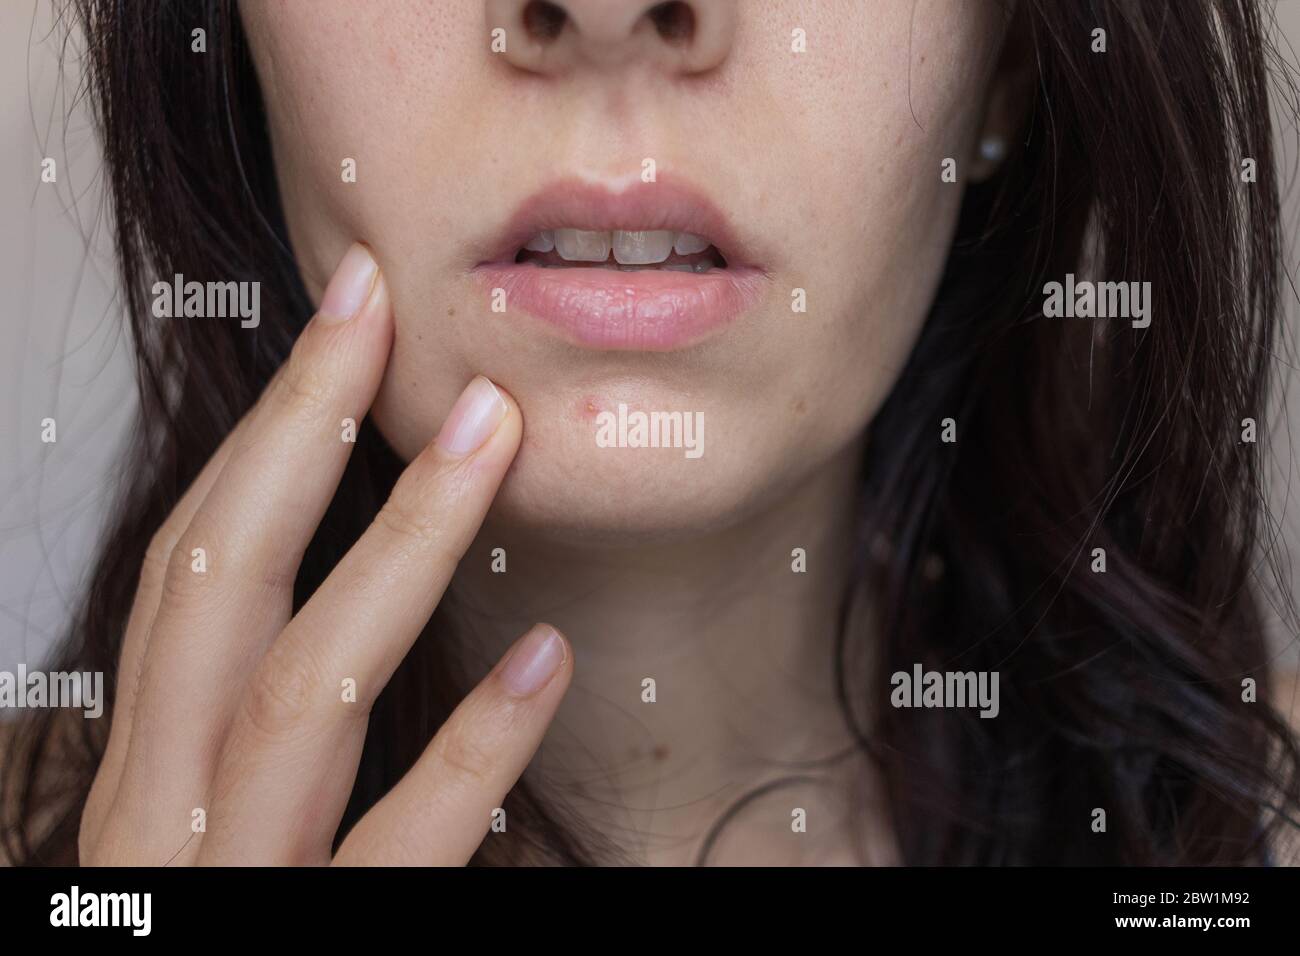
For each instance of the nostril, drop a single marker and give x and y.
(674, 20)
(544, 21)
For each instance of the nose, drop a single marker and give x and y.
(555, 36)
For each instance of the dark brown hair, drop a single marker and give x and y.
(1121, 690)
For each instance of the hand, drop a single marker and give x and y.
(229, 704)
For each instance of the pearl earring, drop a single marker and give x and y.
(993, 149)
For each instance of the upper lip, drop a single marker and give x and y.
(573, 203)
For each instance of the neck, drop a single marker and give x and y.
(704, 679)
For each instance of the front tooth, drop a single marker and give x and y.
(578, 245)
(642, 248)
(687, 244)
(544, 241)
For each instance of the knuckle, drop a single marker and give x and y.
(463, 757)
(152, 575)
(187, 571)
(284, 690)
(305, 387)
(159, 553)
(433, 470)
(423, 509)
(405, 520)
(272, 566)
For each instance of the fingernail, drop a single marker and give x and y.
(534, 661)
(473, 418)
(350, 287)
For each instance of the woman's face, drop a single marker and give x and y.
(804, 142)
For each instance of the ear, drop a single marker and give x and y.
(1007, 100)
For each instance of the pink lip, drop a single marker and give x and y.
(649, 310)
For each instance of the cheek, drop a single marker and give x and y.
(874, 222)
(375, 139)
(369, 105)
(421, 385)
(873, 277)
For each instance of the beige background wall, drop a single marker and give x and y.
(62, 354)
(61, 350)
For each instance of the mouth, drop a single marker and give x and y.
(622, 249)
(655, 267)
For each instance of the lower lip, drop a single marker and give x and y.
(650, 310)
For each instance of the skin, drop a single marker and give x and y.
(652, 565)
(269, 752)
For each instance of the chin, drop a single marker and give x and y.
(565, 487)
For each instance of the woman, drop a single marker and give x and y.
(865, 394)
